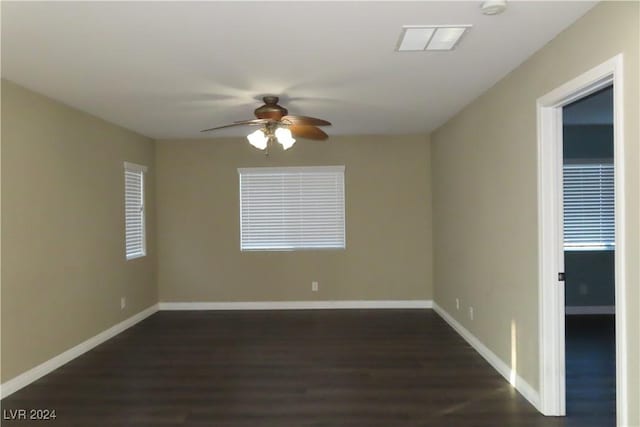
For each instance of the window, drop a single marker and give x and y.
(292, 208)
(135, 241)
(589, 206)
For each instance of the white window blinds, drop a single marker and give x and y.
(589, 221)
(135, 244)
(292, 208)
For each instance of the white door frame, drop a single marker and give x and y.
(551, 310)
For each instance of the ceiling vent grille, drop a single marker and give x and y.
(414, 38)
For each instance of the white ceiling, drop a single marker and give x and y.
(169, 69)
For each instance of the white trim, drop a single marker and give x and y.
(523, 387)
(296, 305)
(551, 309)
(622, 397)
(551, 262)
(590, 309)
(287, 169)
(9, 387)
(135, 167)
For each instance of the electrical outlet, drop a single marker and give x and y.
(457, 304)
(314, 286)
(471, 313)
(123, 303)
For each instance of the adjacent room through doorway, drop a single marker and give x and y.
(589, 256)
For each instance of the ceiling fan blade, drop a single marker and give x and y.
(308, 132)
(304, 120)
(240, 123)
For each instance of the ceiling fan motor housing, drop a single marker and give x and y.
(270, 109)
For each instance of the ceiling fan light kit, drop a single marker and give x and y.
(283, 136)
(258, 139)
(278, 126)
(262, 137)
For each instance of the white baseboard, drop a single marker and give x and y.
(295, 305)
(503, 369)
(590, 309)
(9, 387)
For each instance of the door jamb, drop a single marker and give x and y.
(551, 308)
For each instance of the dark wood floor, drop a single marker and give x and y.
(369, 368)
(591, 368)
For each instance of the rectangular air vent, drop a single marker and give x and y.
(430, 37)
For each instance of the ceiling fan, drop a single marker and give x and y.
(276, 125)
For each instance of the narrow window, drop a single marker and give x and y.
(292, 208)
(135, 237)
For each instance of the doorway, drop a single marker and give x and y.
(589, 256)
(551, 252)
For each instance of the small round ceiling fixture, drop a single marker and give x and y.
(493, 7)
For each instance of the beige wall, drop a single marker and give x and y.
(64, 269)
(388, 223)
(485, 192)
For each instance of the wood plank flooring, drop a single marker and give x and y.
(591, 368)
(369, 368)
